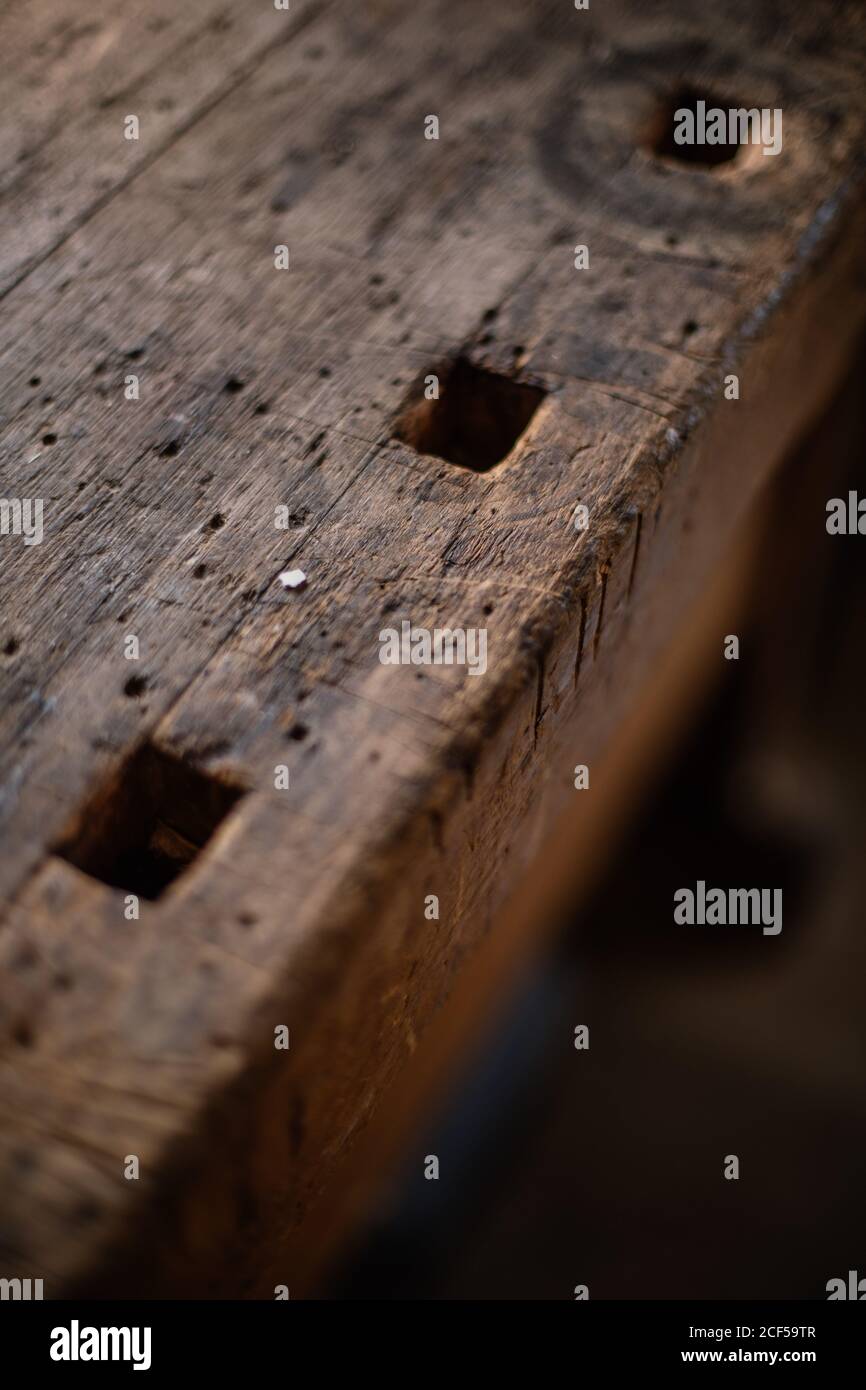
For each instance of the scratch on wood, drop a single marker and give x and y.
(635, 553)
(580, 636)
(539, 701)
(605, 571)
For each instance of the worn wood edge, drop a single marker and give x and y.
(571, 860)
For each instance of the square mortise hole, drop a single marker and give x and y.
(144, 829)
(476, 421)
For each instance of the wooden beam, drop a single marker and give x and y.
(302, 389)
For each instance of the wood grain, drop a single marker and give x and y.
(262, 388)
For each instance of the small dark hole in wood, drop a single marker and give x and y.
(690, 327)
(662, 143)
(324, 371)
(145, 828)
(217, 521)
(135, 353)
(247, 919)
(297, 733)
(10, 646)
(169, 450)
(49, 438)
(233, 385)
(199, 572)
(262, 408)
(477, 420)
(135, 686)
(22, 1034)
(35, 381)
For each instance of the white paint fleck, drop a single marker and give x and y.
(292, 579)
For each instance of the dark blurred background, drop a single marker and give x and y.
(605, 1167)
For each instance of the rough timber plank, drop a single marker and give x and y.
(156, 1038)
(71, 74)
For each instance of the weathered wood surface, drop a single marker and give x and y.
(262, 387)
